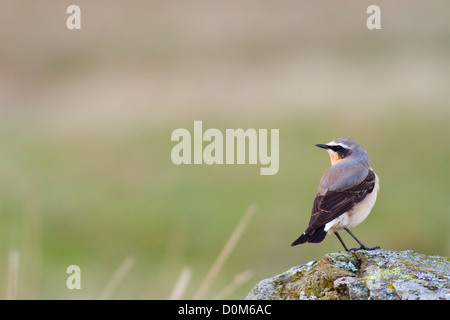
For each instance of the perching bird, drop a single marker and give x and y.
(346, 193)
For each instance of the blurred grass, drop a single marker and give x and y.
(96, 198)
(86, 119)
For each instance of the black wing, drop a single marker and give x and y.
(331, 205)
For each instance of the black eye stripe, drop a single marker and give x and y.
(336, 148)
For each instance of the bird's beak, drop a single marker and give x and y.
(323, 146)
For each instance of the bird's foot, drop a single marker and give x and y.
(364, 248)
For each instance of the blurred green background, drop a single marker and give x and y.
(86, 118)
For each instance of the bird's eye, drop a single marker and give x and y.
(338, 148)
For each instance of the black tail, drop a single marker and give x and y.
(317, 236)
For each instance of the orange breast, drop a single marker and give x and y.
(334, 158)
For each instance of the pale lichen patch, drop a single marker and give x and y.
(378, 274)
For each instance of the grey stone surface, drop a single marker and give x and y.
(361, 275)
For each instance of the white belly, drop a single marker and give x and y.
(357, 215)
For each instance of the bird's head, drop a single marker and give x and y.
(344, 149)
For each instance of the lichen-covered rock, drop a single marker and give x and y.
(361, 275)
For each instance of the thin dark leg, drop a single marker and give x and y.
(360, 243)
(342, 242)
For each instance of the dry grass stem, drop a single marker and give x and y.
(181, 285)
(238, 281)
(117, 278)
(13, 275)
(226, 251)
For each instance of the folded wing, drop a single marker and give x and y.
(331, 205)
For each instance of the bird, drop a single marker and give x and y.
(346, 194)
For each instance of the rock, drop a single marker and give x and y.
(361, 275)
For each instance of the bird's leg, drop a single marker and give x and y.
(342, 242)
(363, 247)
